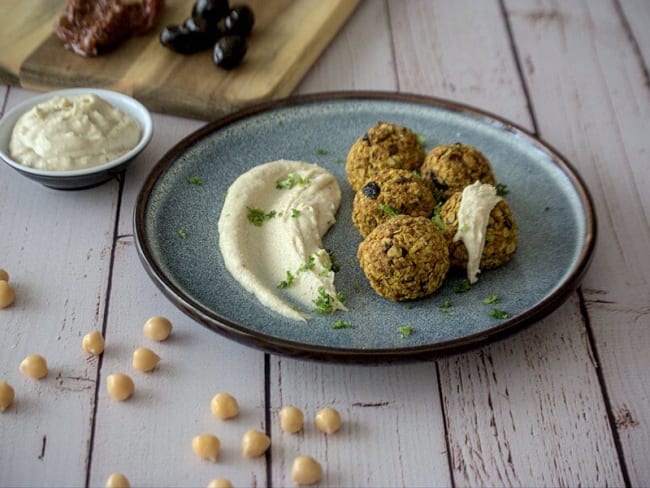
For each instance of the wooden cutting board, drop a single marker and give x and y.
(288, 37)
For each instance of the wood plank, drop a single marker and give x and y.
(149, 437)
(56, 248)
(606, 93)
(486, 449)
(287, 39)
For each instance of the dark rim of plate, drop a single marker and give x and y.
(237, 332)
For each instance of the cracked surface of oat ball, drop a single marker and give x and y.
(384, 146)
(405, 258)
(391, 191)
(501, 237)
(450, 168)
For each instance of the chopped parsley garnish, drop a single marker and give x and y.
(436, 219)
(182, 233)
(322, 152)
(309, 265)
(295, 213)
(291, 180)
(342, 324)
(464, 228)
(288, 281)
(490, 299)
(388, 209)
(404, 331)
(502, 190)
(489, 238)
(195, 180)
(498, 314)
(422, 139)
(325, 302)
(463, 287)
(333, 265)
(257, 216)
(445, 306)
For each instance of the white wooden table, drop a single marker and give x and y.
(563, 403)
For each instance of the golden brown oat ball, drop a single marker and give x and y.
(390, 191)
(405, 258)
(384, 146)
(450, 168)
(501, 235)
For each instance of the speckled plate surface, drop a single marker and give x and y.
(177, 238)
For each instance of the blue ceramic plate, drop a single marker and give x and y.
(177, 238)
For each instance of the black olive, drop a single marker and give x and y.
(229, 51)
(211, 30)
(371, 190)
(240, 20)
(180, 39)
(210, 11)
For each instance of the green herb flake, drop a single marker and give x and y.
(464, 228)
(388, 209)
(182, 233)
(422, 139)
(288, 281)
(308, 266)
(463, 287)
(491, 299)
(502, 190)
(291, 180)
(195, 180)
(489, 238)
(322, 152)
(257, 216)
(445, 307)
(342, 324)
(295, 213)
(333, 264)
(498, 314)
(405, 331)
(325, 302)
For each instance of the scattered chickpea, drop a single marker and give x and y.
(157, 328)
(254, 443)
(117, 480)
(328, 420)
(34, 366)
(305, 470)
(224, 406)
(93, 343)
(220, 483)
(145, 359)
(4, 276)
(291, 419)
(206, 446)
(7, 294)
(6, 395)
(120, 386)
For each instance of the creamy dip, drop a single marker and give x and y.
(74, 132)
(473, 215)
(270, 235)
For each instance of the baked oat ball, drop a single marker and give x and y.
(450, 168)
(391, 192)
(384, 146)
(405, 258)
(501, 235)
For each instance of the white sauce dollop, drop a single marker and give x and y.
(476, 203)
(259, 257)
(67, 133)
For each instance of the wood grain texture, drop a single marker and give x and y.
(605, 103)
(287, 38)
(149, 437)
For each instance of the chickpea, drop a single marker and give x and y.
(224, 406)
(7, 294)
(291, 419)
(120, 386)
(145, 359)
(7, 395)
(4, 276)
(34, 366)
(93, 343)
(220, 483)
(254, 443)
(157, 328)
(206, 446)
(305, 470)
(117, 480)
(328, 420)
